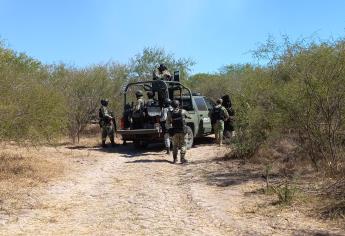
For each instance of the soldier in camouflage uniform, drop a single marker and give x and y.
(150, 99)
(107, 123)
(218, 115)
(138, 111)
(162, 73)
(229, 123)
(176, 118)
(166, 126)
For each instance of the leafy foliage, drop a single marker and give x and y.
(300, 93)
(143, 64)
(30, 108)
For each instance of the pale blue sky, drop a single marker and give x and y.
(213, 33)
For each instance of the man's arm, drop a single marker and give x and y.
(226, 114)
(185, 114)
(169, 120)
(106, 113)
(164, 115)
(166, 74)
(157, 74)
(140, 104)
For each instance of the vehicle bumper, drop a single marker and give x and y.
(141, 134)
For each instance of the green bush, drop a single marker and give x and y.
(30, 108)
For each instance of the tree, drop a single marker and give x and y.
(30, 108)
(143, 64)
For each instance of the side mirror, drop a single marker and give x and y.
(177, 76)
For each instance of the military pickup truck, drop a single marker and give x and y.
(197, 106)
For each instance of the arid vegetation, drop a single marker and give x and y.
(290, 112)
(296, 99)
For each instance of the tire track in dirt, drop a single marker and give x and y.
(116, 193)
(125, 192)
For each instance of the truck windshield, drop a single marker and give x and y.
(200, 103)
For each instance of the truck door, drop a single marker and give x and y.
(203, 115)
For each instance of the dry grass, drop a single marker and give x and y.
(19, 173)
(314, 193)
(20, 166)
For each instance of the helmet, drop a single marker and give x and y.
(162, 67)
(150, 94)
(139, 93)
(167, 102)
(104, 102)
(175, 104)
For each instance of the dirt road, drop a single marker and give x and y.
(121, 191)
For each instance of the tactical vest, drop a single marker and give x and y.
(103, 120)
(178, 123)
(217, 114)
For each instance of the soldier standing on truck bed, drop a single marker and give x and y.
(162, 73)
(178, 130)
(107, 123)
(218, 115)
(165, 126)
(138, 110)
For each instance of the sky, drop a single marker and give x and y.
(213, 33)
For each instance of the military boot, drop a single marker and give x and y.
(113, 144)
(103, 144)
(183, 160)
(168, 150)
(174, 158)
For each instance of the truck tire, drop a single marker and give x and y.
(189, 137)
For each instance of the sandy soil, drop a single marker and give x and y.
(122, 191)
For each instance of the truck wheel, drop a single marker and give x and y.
(189, 138)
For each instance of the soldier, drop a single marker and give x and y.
(165, 126)
(107, 123)
(178, 131)
(162, 73)
(150, 101)
(138, 110)
(229, 123)
(218, 116)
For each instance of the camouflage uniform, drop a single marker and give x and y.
(229, 123)
(138, 113)
(218, 125)
(107, 125)
(151, 99)
(139, 105)
(166, 126)
(179, 142)
(178, 137)
(164, 75)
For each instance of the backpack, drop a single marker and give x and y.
(217, 114)
(178, 122)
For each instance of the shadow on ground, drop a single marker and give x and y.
(130, 151)
(231, 177)
(203, 141)
(224, 172)
(127, 151)
(150, 161)
(315, 233)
